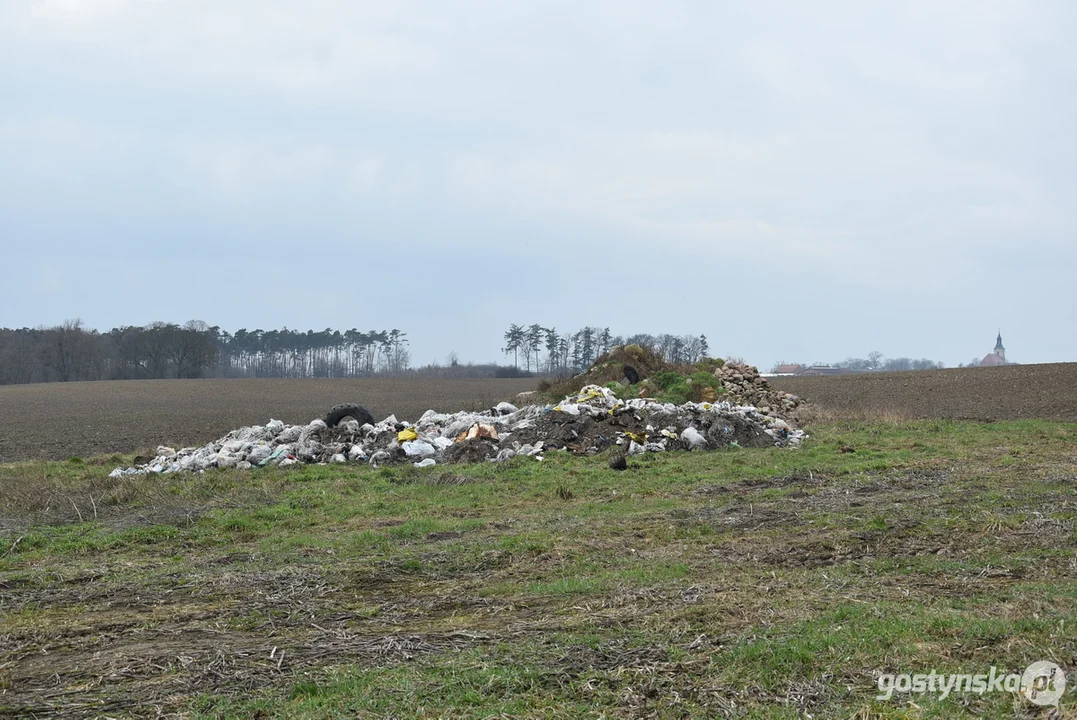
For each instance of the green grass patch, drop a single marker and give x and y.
(778, 582)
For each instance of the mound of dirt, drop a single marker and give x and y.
(615, 366)
(475, 450)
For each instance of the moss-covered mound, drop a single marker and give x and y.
(636, 371)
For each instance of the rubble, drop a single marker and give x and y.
(592, 421)
(745, 386)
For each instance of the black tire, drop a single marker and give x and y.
(351, 410)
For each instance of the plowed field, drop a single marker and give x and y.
(1012, 392)
(60, 420)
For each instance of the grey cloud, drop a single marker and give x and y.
(806, 181)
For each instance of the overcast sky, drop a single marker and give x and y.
(799, 181)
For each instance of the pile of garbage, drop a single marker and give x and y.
(587, 423)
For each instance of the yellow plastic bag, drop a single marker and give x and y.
(406, 434)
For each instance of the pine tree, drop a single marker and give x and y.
(587, 337)
(577, 351)
(533, 344)
(552, 342)
(604, 341)
(514, 339)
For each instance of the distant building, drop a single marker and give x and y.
(823, 370)
(788, 369)
(807, 370)
(996, 356)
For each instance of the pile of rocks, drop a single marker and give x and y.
(587, 423)
(745, 386)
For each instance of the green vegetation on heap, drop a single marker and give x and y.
(659, 379)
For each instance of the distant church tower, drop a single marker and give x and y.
(999, 349)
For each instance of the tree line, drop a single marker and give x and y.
(70, 352)
(874, 362)
(546, 350)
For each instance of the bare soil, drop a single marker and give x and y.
(56, 421)
(1011, 392)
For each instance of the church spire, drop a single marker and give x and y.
(1000, 350)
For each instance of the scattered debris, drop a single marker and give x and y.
(587, 423)
(693, 438)
(478, 430)
(504, 408)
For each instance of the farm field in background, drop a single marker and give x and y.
(56, 421)
(1009, 392)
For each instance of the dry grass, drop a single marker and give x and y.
(816, 414)
(37, 494)
(769, 583)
